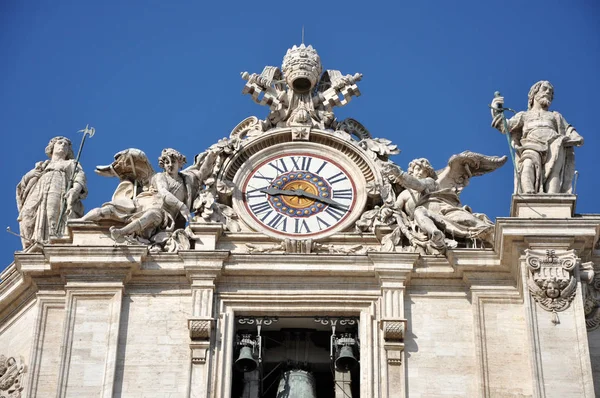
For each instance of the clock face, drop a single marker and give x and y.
(299, 194)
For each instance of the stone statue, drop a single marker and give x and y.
(425, 206)
(42, 193)
(163, 205)
(301, 96)
(543, 142)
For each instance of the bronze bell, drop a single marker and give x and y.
(296, 384)
(246, 361)
(346, 360)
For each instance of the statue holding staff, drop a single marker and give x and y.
(43, 190)
(543, 142)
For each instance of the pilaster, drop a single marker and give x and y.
(202, 271)
(543, 250)
(393, 271)
(80, 287)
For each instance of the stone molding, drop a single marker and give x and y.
(199, 352)
(543, 206)
(394, 351)
(206, 235)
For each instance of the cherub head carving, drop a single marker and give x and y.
(552, 288)
(171, 160)
(421, 168)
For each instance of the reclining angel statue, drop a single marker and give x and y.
(425, 206)
(150, 203)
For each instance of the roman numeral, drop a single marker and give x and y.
(277, 221)
(337, 178)
(337, 214)
(322, 223)
(321, 168)
(301, 225)
(301, 163)
(260, 176)
(284, 168)
(261, 207)
(342, 193)
(255, 193)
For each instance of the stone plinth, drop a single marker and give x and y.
(206, 235)
(543, 206)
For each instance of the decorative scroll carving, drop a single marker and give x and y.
(200, 328)
(304, 246)
(11, 377)
(341, 321)
(551, 281)
(264, 320)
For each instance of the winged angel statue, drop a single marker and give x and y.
(154, 207)
(423, 205)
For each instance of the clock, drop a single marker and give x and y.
(299, 191)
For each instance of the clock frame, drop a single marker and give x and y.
(333, 169)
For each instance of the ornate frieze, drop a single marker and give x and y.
(551, 281)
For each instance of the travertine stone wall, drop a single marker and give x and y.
(565, 365)
(90, 338)
(594, 344)
(16, 333)
(439, 346)
(506, 370)
(44, 366)
(153, 343)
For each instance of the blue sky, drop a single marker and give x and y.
(158, 74)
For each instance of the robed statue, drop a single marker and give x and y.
(52, 190)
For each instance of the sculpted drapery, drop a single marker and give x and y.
(41, 192)
(544, 144)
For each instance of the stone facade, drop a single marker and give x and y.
(343, 275)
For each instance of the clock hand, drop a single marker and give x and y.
(300, 192)
(276, 191)
(321, 199)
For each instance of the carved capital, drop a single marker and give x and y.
(394, 352)
(11, 377)
(200, 328)
(199, 352)
(550, 278)
(393, 329)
